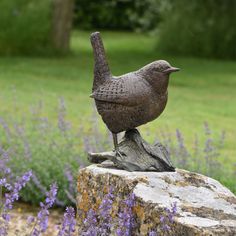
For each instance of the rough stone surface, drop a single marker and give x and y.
(204, 206)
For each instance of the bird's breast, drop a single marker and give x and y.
(119, 117)
(155, 106)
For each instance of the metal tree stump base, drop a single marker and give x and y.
(136, 155)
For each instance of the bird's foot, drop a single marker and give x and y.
(119, 153)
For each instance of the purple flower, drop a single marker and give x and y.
(165, 227)
(8, 186)
(126, 217)
(3, 181)
(51, 196)
(11, 195)
(99, 223)
(168, 219)
(35, 232)
(162, 219)
(6, 217)
(14, 194)
(42, 217)
(105, 213)
(152, 233)
(69, 222)
(30, 220)
(3, 231)
(130, 201)
(90, 224)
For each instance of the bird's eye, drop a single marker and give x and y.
(163, 68)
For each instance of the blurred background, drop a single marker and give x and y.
(48, 121)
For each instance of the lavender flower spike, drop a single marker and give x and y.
(168, 219)
(105, 213)
(90, 224)
(126, 217)
(69, 222)
(152, 233)
(42, 218)
(14, 194)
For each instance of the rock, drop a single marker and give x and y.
(204, 206)
(136, 155)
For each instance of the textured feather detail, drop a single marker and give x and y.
(122, 90)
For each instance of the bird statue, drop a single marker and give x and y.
(130, 100)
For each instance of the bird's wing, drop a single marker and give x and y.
(123, 90)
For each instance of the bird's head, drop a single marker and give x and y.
(161, 68)
(157, 73)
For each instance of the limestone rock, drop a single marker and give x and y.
(204, 206)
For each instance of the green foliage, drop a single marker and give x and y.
(116, 14)
(24, 26)
(52, 150)
(198, 28)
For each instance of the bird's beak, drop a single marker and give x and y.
(171, 69)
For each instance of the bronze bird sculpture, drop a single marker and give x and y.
(130, 100)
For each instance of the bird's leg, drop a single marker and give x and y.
(115, 141)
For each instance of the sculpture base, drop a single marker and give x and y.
(136, 155)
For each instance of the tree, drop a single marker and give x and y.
(62, 18)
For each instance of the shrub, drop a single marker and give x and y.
(52, 150)
(116, 14)
(25, 27)
(198, 28)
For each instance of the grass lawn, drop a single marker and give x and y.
(204, 90)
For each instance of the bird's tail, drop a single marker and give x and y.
(101, 69)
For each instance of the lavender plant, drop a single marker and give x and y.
(126, 217)
(207, 153)
(166, 221)
(99, 223)
(90, 224)
(41, 222)
(37, 143)
(105, 213)
(204, 155)
(69, 223)
(152, 233)
(9, 189)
